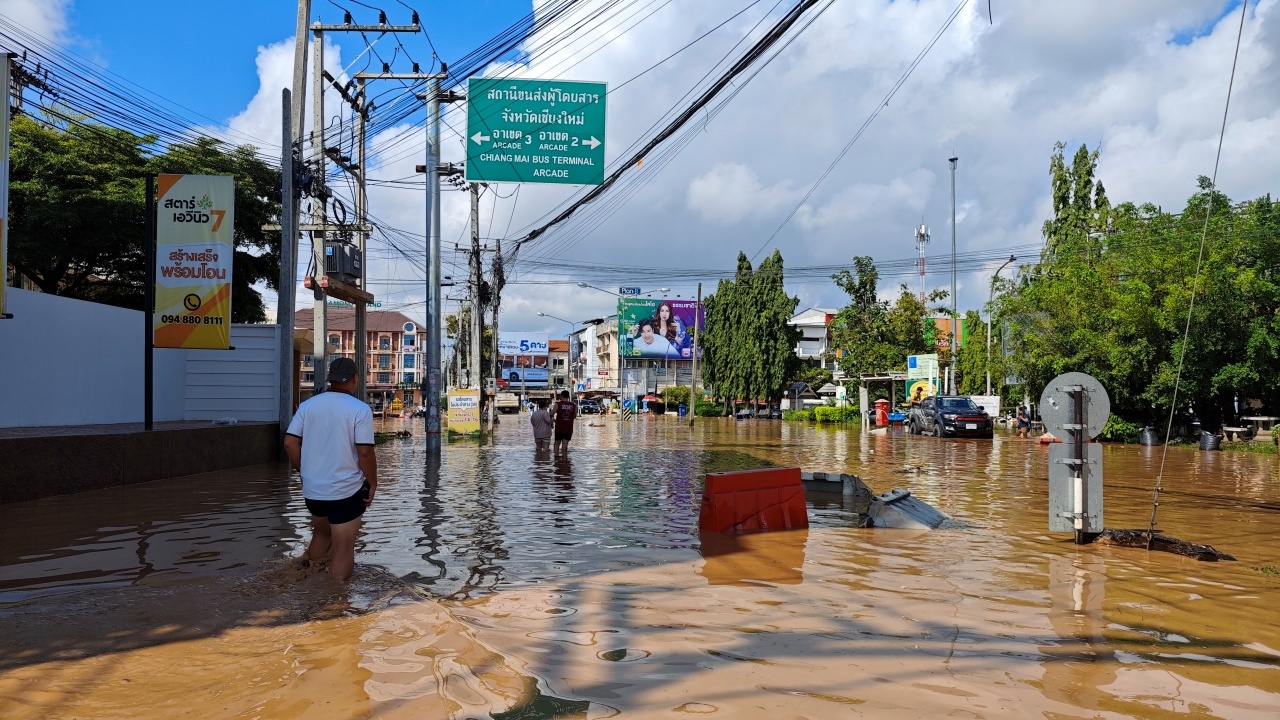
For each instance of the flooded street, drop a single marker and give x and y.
(493, 584)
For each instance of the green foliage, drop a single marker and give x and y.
(873, 335)
(710, 409)
(1120, 430)
(809, 373)
(1264, 447)
(827, 414)
(77, 211)
(1266, 569)
(747, 347)
(1110, 293)
(676, 395)
(804, 415)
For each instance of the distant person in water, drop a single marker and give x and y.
(330, 441)
(542, 427)
(565, 412)
(1024, 423)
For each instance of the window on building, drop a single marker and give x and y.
(408, 361)
(334, 340)
(408, 340)
(384, 362)
(384, 343)
(384, 378)
(308, 377)
(307, 360)
(408, 377)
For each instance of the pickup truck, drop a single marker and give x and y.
(507, 403)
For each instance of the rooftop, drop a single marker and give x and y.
(345, 319)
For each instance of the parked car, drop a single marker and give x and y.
(950, 416)
(589, 407)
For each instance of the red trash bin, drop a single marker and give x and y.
(882, 412)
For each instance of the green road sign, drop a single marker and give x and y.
(535, 131)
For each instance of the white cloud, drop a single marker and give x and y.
(47, 18)
(731, 193)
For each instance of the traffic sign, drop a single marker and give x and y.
(535, 131)
(628, 291)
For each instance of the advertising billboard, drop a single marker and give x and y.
(922, 366)
(917, 390)
(195, 218)
(533, 377)
(518, 343)
(658, 329)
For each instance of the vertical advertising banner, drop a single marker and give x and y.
(658, 329)
(195, 217)
(464, 411)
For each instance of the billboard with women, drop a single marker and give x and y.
(658, 329)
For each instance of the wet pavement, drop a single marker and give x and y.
(491, 583)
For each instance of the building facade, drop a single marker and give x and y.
(394, 345)
(814, 325)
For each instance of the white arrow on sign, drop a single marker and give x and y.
(593, 143)
(485, 138)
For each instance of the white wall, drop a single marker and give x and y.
(70, 362)
(239, 383)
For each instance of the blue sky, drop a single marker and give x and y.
(201, 55)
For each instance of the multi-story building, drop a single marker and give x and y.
(814, 325)
(602, 358)
(557, 363)
(394, 345)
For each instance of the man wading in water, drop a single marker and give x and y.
(330, 441)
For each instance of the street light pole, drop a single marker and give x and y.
(569, 339)
(954, 320)
(990, 297)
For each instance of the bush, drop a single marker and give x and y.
(827, 414)
(676, 396)
(802, 415)
(709, 409)
(1118, 430)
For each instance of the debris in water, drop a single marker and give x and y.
(1163, 543)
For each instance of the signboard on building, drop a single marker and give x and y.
(535, 131)
(917, 390)
(195, 217)
(517, 377)
(628, 291)
(464, 411)
(511, 343)
(658, 329)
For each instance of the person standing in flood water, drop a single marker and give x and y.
(542, 427)
(565, 412)
(330, 441)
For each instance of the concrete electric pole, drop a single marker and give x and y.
(477, 307)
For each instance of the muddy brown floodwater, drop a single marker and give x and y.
(493, 584)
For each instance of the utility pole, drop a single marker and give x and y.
(288, 263)
(474, 373)
(693, 381)
(432, 211)
(498, 281)
(954, 320)
(319, 363)
(362, 210)
(5, 75)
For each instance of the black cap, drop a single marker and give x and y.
(342, 369)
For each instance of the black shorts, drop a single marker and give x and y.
(340, 511)
(566, 437)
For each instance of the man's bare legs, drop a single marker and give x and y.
(321, 539)
(343, 542)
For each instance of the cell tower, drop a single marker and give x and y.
(922, 239)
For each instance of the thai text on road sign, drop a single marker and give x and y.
(535, 131)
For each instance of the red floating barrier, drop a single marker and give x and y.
(752, 500)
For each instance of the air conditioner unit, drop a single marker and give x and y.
(342, 261)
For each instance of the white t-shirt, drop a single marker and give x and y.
(331, 425)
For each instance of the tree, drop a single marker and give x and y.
(748, 346)
(873, 335)
(77, 215)
(1111, 292)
